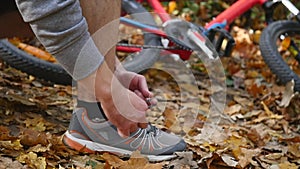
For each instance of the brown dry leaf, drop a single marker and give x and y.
(288, 94)
(232, 109)
(243, 101)
(5, 134)
(294, 149)
(242, 36)
(212, 134)
(244, 45)
(295, 139)
(288, 165)
(171, 121)
(136, 161)
(217, 162)
(185, 160)
(88, 162)
(246, 156)
(269, 113)
(255, 89)
(259, 134)
(31, 137)
(252, 114)
(293, 110)
(8, 163)
(235, 144)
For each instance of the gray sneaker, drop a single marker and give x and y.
(99, 135)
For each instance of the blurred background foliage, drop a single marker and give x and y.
(201, 12)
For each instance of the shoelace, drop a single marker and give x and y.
(152, 129)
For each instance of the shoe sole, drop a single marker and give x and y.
(92, 147)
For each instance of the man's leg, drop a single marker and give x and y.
(103, 21)
(95, 133)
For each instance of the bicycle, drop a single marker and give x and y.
(214, 30)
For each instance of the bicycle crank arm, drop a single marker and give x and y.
(290, 6)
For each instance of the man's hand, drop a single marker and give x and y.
(136, 83)
(123, 106)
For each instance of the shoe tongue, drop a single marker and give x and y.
(152, 129)
(94, 109)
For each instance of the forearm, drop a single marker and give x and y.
(62, 29)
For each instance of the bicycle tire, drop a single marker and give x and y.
(272, 56)
(52, 72)
(31, 65)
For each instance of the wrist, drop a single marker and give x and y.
(96, 85)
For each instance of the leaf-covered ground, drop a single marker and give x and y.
(260, 127)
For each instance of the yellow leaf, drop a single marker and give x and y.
(288, 165)
(294, 149)
(267, 110)
(15, 145)
(39, 148)
(211, 147)
(172, 6)
(285, 44)
(32, 160)
(235, 144)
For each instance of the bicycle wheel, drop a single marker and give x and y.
(53, 72)
(279, 44)
(25, 62)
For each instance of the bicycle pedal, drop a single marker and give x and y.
(222, 40)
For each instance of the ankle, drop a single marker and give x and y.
(94, 109)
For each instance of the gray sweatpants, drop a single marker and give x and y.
(62, 29)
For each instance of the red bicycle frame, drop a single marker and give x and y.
(234, 11)
(224, 18)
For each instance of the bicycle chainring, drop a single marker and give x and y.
(188, 36)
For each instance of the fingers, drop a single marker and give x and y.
(143, 87)
(138, 93)
(138, 82)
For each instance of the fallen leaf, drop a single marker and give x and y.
(247, 156)
(255, 89)
(258, 134)
(5, 134)
(294, 149)
(32, 160)
(136, 161)
(288, 165)
(8, 163)
(171, 121)
(11, 145)
(185, 160)
(39, 148)
(229, 160)
(212, 134)
(288, 94)
(31, 137)
(232, 109)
